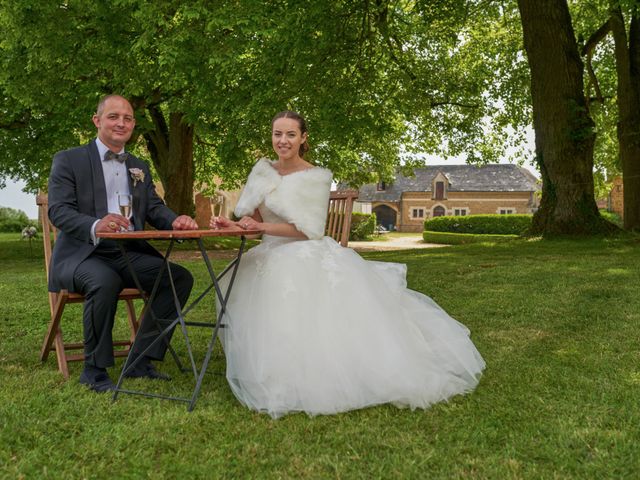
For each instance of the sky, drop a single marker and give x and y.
(12, 196)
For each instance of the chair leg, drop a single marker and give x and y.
(61, 355)
(131, 316)
(53, 331)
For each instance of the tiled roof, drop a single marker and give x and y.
(462, 178)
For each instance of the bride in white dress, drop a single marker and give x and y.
(314, 327)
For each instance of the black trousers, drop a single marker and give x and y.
(101, 277)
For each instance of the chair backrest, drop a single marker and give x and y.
(49, 232)
(339, 215)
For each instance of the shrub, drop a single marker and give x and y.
(12, 220)
(460, 238)
(481, 224)
(363, 225)
(611, 217)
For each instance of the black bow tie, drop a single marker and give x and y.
(121, 157)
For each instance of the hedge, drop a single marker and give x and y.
(12, 220)
(480, 224)
(448, 238)
(363, 225)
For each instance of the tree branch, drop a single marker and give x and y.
(454, 104)
(587, 51)
(596, 37)
(13, 124)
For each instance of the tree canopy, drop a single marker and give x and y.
(377, 80)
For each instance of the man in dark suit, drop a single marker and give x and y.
(83, 200)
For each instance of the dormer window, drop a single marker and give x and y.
(439, 187)
(381, 187)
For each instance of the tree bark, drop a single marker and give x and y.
(171, 149)
(564, 130)
(628, 128)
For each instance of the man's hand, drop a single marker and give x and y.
(112, 222)
(184, 222)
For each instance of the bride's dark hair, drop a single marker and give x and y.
(304, 147)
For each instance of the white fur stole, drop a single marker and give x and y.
(300, 198)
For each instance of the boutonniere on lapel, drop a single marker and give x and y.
(137, 175)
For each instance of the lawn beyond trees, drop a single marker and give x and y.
(557, 322)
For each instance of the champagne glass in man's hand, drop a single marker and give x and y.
(125, 202)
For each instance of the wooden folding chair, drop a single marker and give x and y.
(58, 300)
(339, 215)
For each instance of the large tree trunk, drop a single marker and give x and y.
(563, 128)
(628, 72)
(171, 149)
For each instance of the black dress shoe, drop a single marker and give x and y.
(97, 380)
(145, 369)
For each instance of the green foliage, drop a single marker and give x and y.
(449, 238)
(548, 405)
(363, 226)
(379, 82)
(481, 224)
(373, 79)
(611, 217)
(12, 220)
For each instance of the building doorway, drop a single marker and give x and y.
(439, 211)
(385, 216)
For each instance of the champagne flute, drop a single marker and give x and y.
(216, 202)
(125, 202)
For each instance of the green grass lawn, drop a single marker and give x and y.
(558, 323)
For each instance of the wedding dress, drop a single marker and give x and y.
(312, 326)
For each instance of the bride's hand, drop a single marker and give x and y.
(220, 222)
(249, 223)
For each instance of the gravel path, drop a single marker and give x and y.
(399, 243)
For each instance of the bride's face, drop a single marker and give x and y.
(287, 138)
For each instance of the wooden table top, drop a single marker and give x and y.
(180, 234)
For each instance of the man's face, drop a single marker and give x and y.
(115, 123)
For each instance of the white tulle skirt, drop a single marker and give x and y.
(313, 327)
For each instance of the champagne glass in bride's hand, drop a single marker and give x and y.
(217, 202)
(125, 202)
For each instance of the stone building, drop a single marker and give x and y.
(440, 190)
(615, 202)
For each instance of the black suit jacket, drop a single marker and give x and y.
(77, 198)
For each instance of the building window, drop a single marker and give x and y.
(381, 187)
(438, 211)
(362, 207)
(417, 213)
(506, 211)
(439, 190)
(460, 212)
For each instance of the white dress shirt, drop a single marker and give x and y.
(115, 182)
